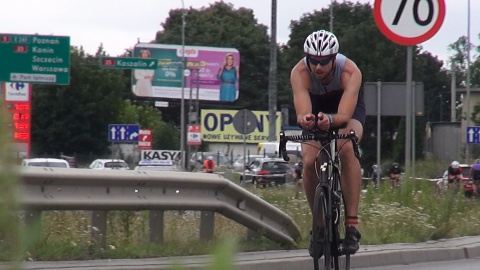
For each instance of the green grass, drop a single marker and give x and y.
(414, 213)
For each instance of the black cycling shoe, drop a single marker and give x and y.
(319, 246)
(350, 243)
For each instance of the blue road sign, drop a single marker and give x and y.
(473, 134)
(123, 132)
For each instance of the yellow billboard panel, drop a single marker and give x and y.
(217, 126)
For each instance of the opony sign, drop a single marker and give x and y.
(203, 64)
(217, 126)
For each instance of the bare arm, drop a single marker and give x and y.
(300, 81)
(351, 81)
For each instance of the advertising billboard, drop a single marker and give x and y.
(217, 126)
(213, 71)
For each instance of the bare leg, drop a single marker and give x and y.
(310, 180)
(351, 180)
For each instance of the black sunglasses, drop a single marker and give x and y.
(323, 61)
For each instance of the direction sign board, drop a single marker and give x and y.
(473, 135)
(409, 22)
(128, 63)
(123, 132)
(35, 59)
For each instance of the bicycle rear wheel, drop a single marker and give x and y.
(321, 232)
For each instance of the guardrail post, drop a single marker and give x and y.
(156, 225)
(207, 225)
(32, 217)
(99, 227)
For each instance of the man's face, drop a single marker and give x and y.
(321, 66)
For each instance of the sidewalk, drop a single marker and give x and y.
(367, 256)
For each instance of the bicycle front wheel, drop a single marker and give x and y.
(341, 260)
(321, 229)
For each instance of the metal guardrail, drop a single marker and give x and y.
(102, 190)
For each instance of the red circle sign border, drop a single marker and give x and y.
(406, 40)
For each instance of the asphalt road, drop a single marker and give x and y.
(461, 251)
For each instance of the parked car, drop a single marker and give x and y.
(266, 171)
(156, 165)
(196, 160)
(109, 164)
(240, 163)
(46, 162)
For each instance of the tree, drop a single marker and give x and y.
(74, 118)
(220, 25)
(377, 57)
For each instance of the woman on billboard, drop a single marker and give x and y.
(144, 77)
(228, 75)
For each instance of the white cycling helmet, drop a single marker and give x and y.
(321, 43)
(455, 164)
(210, 158)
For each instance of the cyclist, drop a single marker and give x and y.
(375, 175)
(475, 172)
(455, 175)
(329, 85)
(209, 165)
(395, 173)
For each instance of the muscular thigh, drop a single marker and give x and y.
(347, 147)
(309, 153)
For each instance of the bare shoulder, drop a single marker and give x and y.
(299, 77)
(299, 68)
(350, 67)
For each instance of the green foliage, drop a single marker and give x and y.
(220, 25)
(74, 118)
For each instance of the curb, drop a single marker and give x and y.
(367, 256)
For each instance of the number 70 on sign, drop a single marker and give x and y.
(409, 22)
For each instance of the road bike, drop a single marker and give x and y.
(329, 206)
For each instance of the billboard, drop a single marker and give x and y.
(213, 71)
(217, 126)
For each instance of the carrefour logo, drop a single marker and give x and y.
(17, 91)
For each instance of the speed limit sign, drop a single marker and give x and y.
(409, 22)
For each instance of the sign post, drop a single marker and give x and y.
(35, 59)
(409, 22)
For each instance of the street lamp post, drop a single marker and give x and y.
(182, 103)
(468, 79)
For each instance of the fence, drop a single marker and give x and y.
(46, 189)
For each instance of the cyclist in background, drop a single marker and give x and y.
(375, 175)
(455, 175)
(395, 173)
(327, 84)
(209, 165)
(475, 172)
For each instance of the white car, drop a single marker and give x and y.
(46, 162)
(109, 164)
(155, 165)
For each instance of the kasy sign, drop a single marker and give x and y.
(160, 154)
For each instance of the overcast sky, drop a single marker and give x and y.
(119, 24)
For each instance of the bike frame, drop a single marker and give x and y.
(328, 196)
